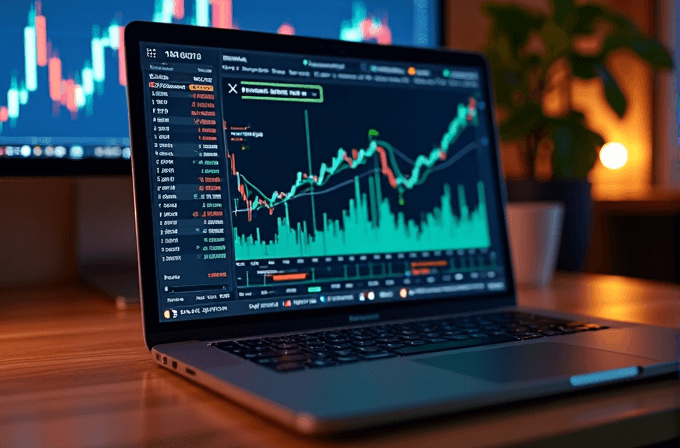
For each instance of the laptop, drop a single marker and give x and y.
(322, 238)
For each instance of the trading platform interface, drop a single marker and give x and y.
(284, 182)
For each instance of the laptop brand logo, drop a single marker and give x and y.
(364, 317)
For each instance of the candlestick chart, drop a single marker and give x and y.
(62, 63)
(389, 194)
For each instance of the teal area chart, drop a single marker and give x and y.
(386, 176)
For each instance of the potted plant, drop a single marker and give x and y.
(534, 59)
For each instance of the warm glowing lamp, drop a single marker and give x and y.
(613, 155)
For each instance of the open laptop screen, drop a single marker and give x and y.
(283, 182)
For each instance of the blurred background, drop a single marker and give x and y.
(586, 97)
(587, 101)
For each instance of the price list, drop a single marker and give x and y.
(188, 167)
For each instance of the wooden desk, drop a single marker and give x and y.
(74, 372)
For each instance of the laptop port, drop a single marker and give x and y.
(190, 372)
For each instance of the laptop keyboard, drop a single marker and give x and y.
(336, 347)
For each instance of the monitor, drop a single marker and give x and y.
(62, 71)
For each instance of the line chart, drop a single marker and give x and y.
(369, 222)
(254, 198)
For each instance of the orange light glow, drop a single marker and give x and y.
(613, 155)
(634, 130)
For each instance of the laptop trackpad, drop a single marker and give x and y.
(533, 362)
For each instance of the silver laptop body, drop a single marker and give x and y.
(306, 199)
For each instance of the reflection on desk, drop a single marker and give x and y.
(75, 372)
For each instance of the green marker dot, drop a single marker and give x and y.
(446, 73)
(305, 62)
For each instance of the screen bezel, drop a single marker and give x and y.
(38, 167)
(237, 326)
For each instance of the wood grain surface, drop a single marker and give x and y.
(74, 372)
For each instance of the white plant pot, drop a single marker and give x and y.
(534, 229)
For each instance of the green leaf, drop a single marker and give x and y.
(584, 66)
(565, 138)
(506, 76)
(625, 34)
(533, 61)
(597, 139)
(521, 121)
(504, 51)
(561, 9)
(588, 153)
(590, 14)
(578, 118)
(508, 90)
(612, 91)
(575, 151)
(556, 39)
(648, 49)
(617, 19)
(586, 18)
(514, 22)
(503, 90)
